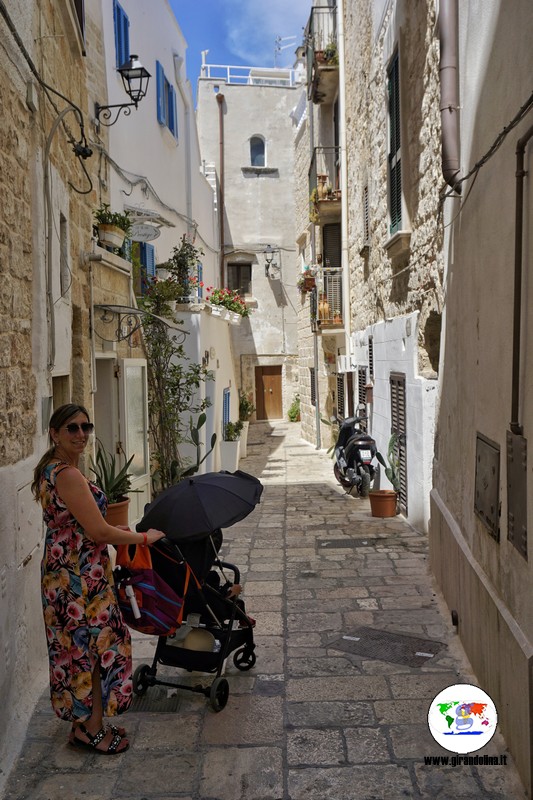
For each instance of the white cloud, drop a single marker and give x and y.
(253, 26)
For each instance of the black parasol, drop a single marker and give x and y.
(197, 506)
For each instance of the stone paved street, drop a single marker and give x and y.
(310, 721)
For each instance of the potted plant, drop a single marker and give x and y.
(229, 446)
(246, 409)
(115, 482)
(306, 280)
(183, 269)
(384, 502)
(294, 409)
(113, 226)
(331, 54)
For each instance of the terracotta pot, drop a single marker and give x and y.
(383, 502)
(117, 513)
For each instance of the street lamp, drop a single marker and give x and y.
(269, 252)
(135, 79)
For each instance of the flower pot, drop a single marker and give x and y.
(309, 283)
(117, 513)
(244, 439)
(383, 502)
(111, 235)
(229, 456)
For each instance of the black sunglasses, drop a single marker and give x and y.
(86, 427)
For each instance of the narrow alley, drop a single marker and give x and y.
(311, 720)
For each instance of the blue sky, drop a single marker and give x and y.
(240, 32)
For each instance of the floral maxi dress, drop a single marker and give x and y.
(81, 615)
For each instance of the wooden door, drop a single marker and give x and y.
(268, 393)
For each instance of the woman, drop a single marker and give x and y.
(89, 645)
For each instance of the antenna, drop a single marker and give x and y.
(279, 47)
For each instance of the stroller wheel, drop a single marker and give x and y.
(140, 682)
(219, 693)
(244, 659)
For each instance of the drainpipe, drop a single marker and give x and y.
(515, 425)
(345, 260)
(178, 61)
(449, 105)
(220, 101)
(310, 117)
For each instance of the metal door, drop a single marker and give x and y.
(268, 392)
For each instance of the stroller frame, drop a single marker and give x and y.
(234, 632)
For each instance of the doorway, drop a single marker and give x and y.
(268, 393)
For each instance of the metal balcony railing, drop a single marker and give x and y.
(326, 301)
(321, 41)
(324, 179)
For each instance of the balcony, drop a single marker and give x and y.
(326, 302)
(324, 185)
(322, 55)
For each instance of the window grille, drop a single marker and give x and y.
(395, 163)
(341, 409)
(371, 357)
(313, 387)
(361, 386)
(366, 217)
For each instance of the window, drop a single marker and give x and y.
(331, 240)
(122, 34)
(398, 425)
(257, 151)
(371, 357)
(144, 255)
(395, 162)
(313, 387)
(240, 278)
(166, 101)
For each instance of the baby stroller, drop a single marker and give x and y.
(207, 628)
(183, 596)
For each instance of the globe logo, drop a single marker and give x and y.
(462, 718)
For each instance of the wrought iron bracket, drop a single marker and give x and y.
(125, 321)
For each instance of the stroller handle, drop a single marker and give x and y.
(232, 567)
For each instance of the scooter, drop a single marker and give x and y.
(354, 452)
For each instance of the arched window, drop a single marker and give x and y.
(257, 151)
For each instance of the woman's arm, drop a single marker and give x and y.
(76, 495)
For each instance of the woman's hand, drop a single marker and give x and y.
(152, 535)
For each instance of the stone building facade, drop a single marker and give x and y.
(245, 131)
(48, 180)
(384, 356)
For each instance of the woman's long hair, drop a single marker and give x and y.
(59, 418)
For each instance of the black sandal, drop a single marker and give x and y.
(95, 740)
(113, 728)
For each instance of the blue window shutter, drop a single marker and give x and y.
(150, 259)
(225, 409)
(172, 121)
(200, 279)
(160, 81)
(122, 34)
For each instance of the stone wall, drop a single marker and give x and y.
(31, 219)
(382, 284)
